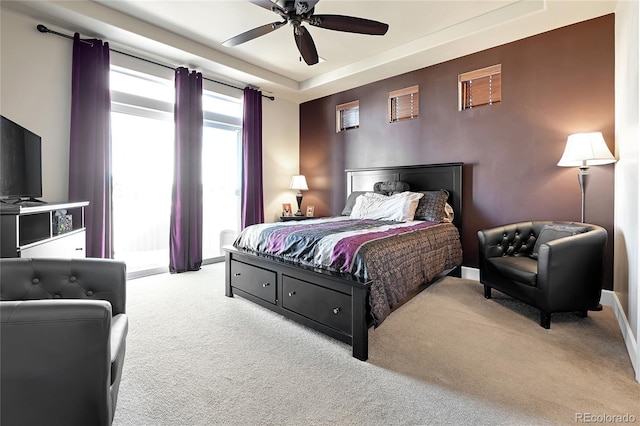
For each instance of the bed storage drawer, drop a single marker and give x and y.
(324, 305)
(256, 281)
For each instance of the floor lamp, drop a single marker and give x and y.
(584, 150)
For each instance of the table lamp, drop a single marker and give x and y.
(299, 183)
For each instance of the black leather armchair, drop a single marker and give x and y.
(567, 275)
(62, 341)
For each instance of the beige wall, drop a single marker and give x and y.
(627, 177)
(35, 91)
(280, 156)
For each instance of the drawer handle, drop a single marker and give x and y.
(237, 274)
(336, 310)
(291, 293)
(265, 284)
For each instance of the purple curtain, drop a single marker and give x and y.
(90, 142)
(185, 245)
(252, 205)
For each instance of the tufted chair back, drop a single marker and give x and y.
(517, 239)
(34, 279)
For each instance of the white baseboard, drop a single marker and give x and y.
(470, 273)
(608, 298)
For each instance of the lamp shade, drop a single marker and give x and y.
(299, 182)
(586, 149)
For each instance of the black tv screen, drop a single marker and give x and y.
(20, 161)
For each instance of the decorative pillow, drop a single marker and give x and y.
(390, 187)
(351, 201)
(432, 206)
(553, 232)
(399, 207)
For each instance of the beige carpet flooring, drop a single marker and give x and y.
(494, 350)
(448, 356)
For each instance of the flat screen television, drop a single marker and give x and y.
(20, 162)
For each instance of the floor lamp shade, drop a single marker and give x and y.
(584, 150)
(299, 183)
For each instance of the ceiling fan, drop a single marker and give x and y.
(295, 13)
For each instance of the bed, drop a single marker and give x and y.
(343, 274)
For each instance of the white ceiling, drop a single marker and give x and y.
(421, 33)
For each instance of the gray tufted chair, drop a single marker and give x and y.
(564, 275)
(62, 341)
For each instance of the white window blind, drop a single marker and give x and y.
(347, 116)
(404, 104)
(480, 87)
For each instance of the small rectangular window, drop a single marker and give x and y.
(347, 116)
(480, 87)
(404, 104)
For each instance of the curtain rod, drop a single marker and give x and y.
(44, 29)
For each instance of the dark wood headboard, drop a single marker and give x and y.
(427, 177)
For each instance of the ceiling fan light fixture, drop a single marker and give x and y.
(301, 8)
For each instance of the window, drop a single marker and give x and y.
(142, 133)
(221, 172)
(480, 87)
(348, 116)
(404, 104)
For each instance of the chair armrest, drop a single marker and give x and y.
(119, 330)
(573, 265)
(55, 354)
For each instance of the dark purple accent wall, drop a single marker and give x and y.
(553, 84)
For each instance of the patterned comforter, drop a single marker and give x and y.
(397, 257)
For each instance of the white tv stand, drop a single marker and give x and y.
(31, 232)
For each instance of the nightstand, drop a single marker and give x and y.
(296, 218)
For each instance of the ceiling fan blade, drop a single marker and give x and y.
(251, 34)
(269, 5)
(349, 24)
(305, 44)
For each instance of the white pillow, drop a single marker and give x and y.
(449, 215)
(400, 207)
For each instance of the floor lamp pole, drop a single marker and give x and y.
(583, 180)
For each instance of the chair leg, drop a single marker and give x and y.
(545, 320)
(487, 292)
(583, 314)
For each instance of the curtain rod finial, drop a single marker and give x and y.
(42, 28)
